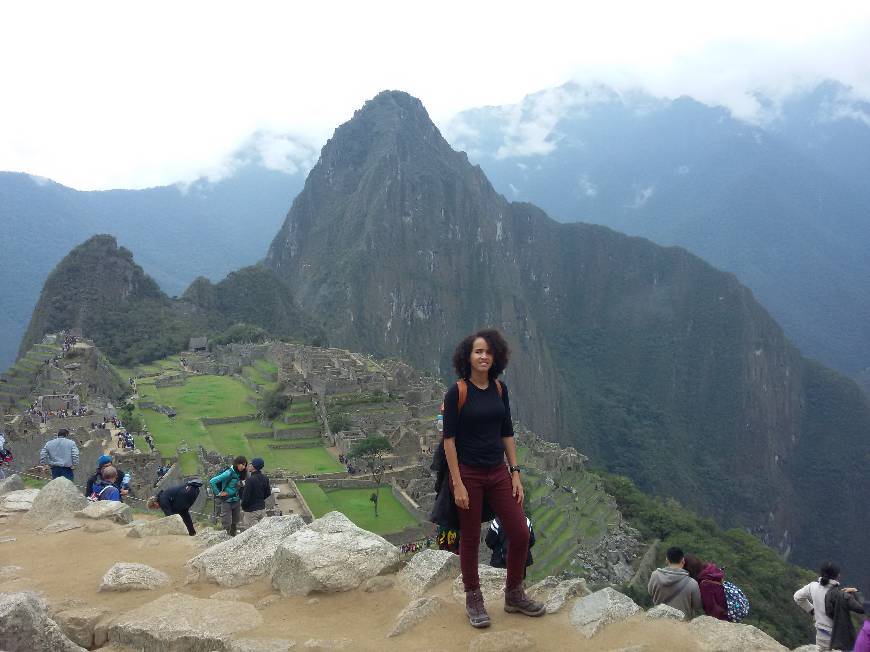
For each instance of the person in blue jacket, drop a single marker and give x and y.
(226, 488)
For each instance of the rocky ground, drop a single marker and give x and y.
(109, 584)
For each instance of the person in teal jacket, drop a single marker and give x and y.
(226, 488)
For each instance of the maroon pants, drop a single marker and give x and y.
(494, 484)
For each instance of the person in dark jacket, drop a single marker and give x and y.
(254, 495)
(496, 540)
(840, 604)
(709, 578)
(121, 481)
(179, 500)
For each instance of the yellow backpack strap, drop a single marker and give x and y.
(463, 393)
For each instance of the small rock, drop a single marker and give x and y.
(133, 577)
(269, 600)
(414, 613)
(665, 612)
(25, 626)
(721, 636)
(208, 537)
(107, 509)
(376, 584)
(328, 643)
(79, 623)
(593, 612)
(492, 581)
(9, 572)
(232, 594)
(62, 525)
(426, 569)
(314, 601)
(8, 539)
(18, 501)
(12, 483)
(98, 527)
(554, 593)
(807, 648)
(509, 640)
(166, 526)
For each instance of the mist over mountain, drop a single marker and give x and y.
(178, 233)
(646, 358)
(784, 205)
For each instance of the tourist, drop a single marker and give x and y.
(477, 438)
(150, 441)
(672, 586)
(226, 490)
(811, 598)
(862, 642)
(61, 454)
(497, 541)
(709, 578)
(840, 604)
(179, 500)
(254, 494)
(105, 488)
(122, 480)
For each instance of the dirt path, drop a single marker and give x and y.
(70, 565)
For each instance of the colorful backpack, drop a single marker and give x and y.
(737, 602)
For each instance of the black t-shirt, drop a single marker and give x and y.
(479, 428)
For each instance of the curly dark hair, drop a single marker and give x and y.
(501, 353)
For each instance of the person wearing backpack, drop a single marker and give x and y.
(811, 598)
(104, 488)
(709, 578)
(840, 604)
(478, 435)
(671, 585)
(226, 491)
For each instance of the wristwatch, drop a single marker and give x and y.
(514, 468)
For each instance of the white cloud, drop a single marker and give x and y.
(110, 94)
(642, 195)
(586, 186)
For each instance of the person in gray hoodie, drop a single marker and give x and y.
(61, 454)
(673, 586)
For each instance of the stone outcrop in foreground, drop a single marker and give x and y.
(107, 509)
(168, 525)
(720, 636)
(426, 569)
(58, 499)
(20, 500)
(246, 557)
(181, 623)
(593, 612)
(25, 626)
(331, 554)
(492, 581)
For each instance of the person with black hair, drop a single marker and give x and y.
(226, 491)
(478, 436)
(61, 454)
(811, 598)
(179, 500)
(671, 585)
(255, 494)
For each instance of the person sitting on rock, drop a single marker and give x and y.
(254, 495)
(672, 586)
(709, 578)
(179, 500)
(226, 490)
(104, 488)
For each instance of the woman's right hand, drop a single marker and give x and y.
(460, 495)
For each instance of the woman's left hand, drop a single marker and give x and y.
(517, 488)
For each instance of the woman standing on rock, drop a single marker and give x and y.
(478, 435)
(226, 491)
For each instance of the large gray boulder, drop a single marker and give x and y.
(331, 554)
(492, 582)
(12, 483)
(716, 635)
(597, 610)
(79, 624)
(426, 569)
(168, 525)
(417, 611)
(133, 577)
(208, 537)
(246, 557)
(108, 509)
(58, 499)
(554, 593)
(25, 626)
(181, 623)
(20, 500)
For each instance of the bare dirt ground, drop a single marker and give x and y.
(70, 565)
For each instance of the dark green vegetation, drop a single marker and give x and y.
(768, 581)
(178, 233)
(99, 289)
(784, 205)
(273, 402)
(645, 358)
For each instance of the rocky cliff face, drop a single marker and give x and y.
(647, 358)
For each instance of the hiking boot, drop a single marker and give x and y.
(476, 610)
(516, 600)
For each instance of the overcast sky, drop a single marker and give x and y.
(125, 95)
